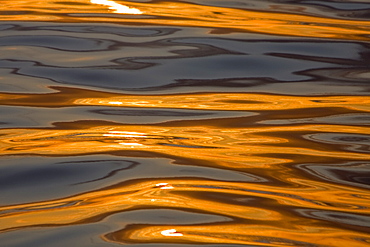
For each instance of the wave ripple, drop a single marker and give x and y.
(184, 123)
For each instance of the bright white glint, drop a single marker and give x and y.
(165, 186)
(171, 233)
(115, 103)
(118, 8)
(161, 184)
(130, 144)
(124, 134)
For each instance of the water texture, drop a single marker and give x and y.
(184, 123)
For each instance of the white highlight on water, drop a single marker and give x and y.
(118, 8)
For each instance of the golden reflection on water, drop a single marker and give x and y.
(84, 208)
(204, 142)
(200, 101)
(174, 13)
(232, 101)
(237, 147)
(265, 140)
(214, 140)
(217, 234)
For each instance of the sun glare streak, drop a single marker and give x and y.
(171, 233)
(115, 103)
(130, 144)
(164, 186)
(124, 134)
(118, 8)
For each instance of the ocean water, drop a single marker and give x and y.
(219, 123)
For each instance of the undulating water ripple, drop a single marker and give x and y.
(184, 123)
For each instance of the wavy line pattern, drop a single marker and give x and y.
(184, 123)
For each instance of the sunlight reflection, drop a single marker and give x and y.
(171, 233)
(115, 103)
(131, 135)
(165, 186)
(118, 8)
(124, 134)
(130, 144)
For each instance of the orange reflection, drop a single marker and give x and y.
(213, 139)
(219, 146)
(231, 101)
(265, 221)
(175, 13)
(244, 234)
(200, 101)
(118, 8)
(228, 143)
(277, 122)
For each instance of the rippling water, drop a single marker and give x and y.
(184, 123)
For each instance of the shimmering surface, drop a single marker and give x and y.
(184, 123)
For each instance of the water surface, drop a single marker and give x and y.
(184, 123)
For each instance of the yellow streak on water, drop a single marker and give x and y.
(204, 101)
(231, 146)
(232, 101)
(237, 147)
(242, 234)
(83, 208)
(175, 13)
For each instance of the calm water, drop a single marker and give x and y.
(184, 123)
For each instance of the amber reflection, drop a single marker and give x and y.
(87, 208)
(282, 131)
(241, 234)
(176, 13)
(203, 101)
(232, 101)
(231, 146)
(241, 147)
(225, 141)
